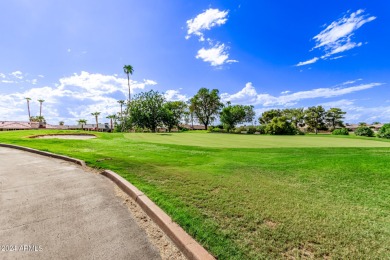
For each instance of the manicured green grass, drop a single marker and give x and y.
(254, 197)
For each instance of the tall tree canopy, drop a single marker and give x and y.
(147, 110)
(315, 117)
(267, 116)
(173, 113)
(295, 115)
(334, 117)
(206, 105)
(230, 115)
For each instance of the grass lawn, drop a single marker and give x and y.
(254, 197)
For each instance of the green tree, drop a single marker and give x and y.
(315, 117)
(40, 106)
(267, 116)
(61, 123)
(249, 114)
(147, 110)
(296, 116)
(28, 108)
(230, 116)
(384, 131)
(206, 105)
(280, 126)
(173, 113)
(128, 69)
(96, 115)
(82, 122)
(334, 117)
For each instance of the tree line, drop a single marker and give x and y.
(150, 110)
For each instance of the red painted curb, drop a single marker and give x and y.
(188, 245)
(57, 156)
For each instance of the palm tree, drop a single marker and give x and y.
(40, 107)
(28, 107)
(82, 122)
(96, 114)
(128, 69)
(111, 117)
(121, 102)
(61, 123)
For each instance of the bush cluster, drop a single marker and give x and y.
(364, 131)
(340, 131)
(384, 131)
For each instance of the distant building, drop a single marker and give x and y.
(20, 125)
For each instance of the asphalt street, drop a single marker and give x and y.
(52, 209)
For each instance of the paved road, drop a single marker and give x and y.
(52, 209)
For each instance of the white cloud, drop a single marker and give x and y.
(8, 81)
(216, 55)
(2, 75)
(351, 81)
(17, 74)
(336, 38)
(337, 57)
(78, 94)
(356, 113)
(285, 92)
(249, 95)
(205, 21)
(174, 95)
(302, 63)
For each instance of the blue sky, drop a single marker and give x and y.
(270, 54)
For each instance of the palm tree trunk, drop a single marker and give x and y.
(28, 107)
(40, 110)
(97, 124)
(128, 83)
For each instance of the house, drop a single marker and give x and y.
(193, 127)
(18, 125)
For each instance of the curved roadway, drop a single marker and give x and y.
(52, 209)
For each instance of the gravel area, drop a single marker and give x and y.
(157, 237)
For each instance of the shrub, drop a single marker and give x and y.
(261, 129)
(217, 130)
(384, 131)
(364, 131)
(251, 129)
(238, 130)
(340, 131)
(280, 126)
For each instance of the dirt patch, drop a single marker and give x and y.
(270, 224)
(157, 237)
(303, 252)
(66, 136)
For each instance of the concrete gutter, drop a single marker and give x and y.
(190, 248)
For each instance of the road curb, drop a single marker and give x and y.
(188, 245)
(57, 156)
(190, 248)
